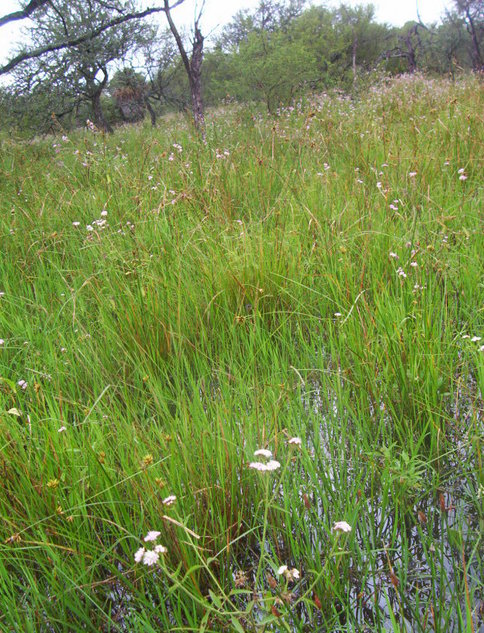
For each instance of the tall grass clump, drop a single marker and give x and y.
(306, 287)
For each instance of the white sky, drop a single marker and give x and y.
(219, 12)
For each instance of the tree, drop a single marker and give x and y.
(119, 7)
(275, 67)
(268, 17)
(451, 51)
(108, 19)
(166, 79)
(409, 45)
(472, 12)
(193, 65)
(83, 69)
(361, 38)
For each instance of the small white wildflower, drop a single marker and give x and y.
(481, 349)
(61, 429)
(337, 314)
(169, 501)
(393, 255)
(290, 574)
(104, 213)
(341, 526)
(89, 227)
(22, 384)
(393, 207)
(151, 536)
(401, 273)
(379, 185)
(76, 223)
(273, 465)
(462, 177)
(150, 558)
(474, 339)
(296, 441)
(263, 452)
(138, 557)
(160, 549)
(258, 466)
(412, 174)
(413, 264)
(461, 170)
(2, 342)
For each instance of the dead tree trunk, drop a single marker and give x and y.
(94, 91)
(193, 67)
(355, 48)
(196, 80)
(411, 50)
(151, 111)
(99, 118)
(477, 62)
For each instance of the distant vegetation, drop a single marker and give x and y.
(241, 377)
(107, 62)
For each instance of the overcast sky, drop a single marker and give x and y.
(219, 12)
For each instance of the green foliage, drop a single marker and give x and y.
(272, 68)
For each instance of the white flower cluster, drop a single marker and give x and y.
(341, 526)
(150, 557)
(271, 464)
(290, 574)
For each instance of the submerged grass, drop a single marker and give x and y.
(168, 307)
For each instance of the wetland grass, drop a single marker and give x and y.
(309, 284)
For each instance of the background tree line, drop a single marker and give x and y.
(106, 61)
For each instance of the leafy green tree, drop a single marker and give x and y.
(82, 71)
(361, 39)
(274, 67)
(451, 45)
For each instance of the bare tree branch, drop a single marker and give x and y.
(32, 6)
(178, 39)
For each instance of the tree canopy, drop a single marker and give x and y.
(273, 54)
